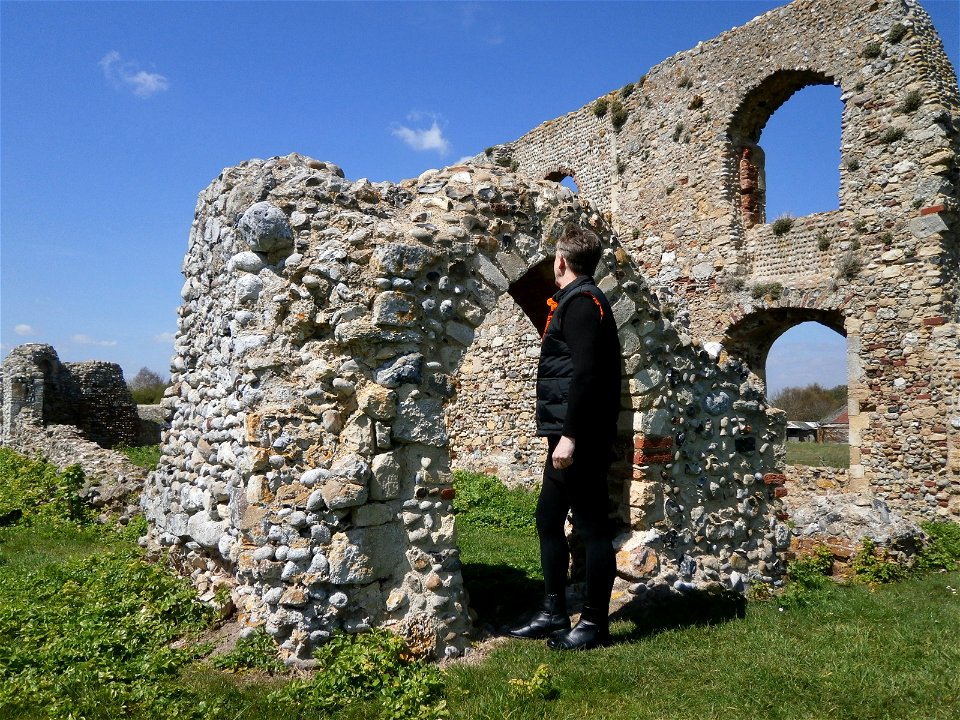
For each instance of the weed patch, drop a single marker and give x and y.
(375, 667)
(33, 491)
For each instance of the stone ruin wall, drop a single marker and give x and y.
(37, 389)
(321, 340)
(682, 184)
(73, 413)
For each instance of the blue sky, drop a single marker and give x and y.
(113, 117)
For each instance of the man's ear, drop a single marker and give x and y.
(562, 263)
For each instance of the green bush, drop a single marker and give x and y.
(811, 571)
(942, 552)
(627, 90)
(807, 574)
(874, 565)
(849, 265)
(911, 102)
(486, 502)
(891, 135)
(374, 666)
(34, 491)
(897, 32)
(600, 107)
(618, 114)
(871, 50)
(148, 395)
(782, 225)
(773, 290)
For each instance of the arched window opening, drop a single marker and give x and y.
(802, 141)
(565, 177)
(806, 373)
(796, 170)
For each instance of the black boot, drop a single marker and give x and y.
(551, 619)
(592, 631)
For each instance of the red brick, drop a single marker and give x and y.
(649, 457)
(932, 209)
(937, 320)
(780, 492)
(774, 479)
(652, 441)
(448, 493)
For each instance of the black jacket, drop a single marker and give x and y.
(578, 378)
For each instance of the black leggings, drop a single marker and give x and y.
(581, 488)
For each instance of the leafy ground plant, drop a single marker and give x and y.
(942, 551)
(33, 491)
(91, 638)
(373, 666)
(256, 651)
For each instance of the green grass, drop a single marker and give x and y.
(852, 653)
(88, 630)
(813, 454)
(145, 456)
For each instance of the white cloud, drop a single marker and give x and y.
(166, 338)
(23, 330)
(419, 139)
(125, 74)
(81, 339)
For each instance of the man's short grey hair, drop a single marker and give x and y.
(580, 248)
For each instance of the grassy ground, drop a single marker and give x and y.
(86, 628)
(849, 653)
(835, 455)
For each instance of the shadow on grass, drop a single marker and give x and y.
(676, 611)
(500, 594)
(504, 596)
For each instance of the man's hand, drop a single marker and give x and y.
(563, 453)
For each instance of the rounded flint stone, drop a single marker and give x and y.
(265, 228)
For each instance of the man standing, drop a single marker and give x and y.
(578, 401)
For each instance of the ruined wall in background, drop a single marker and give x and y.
(72, 414)
(678, 170)
(91, 396)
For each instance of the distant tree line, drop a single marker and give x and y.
(147, 387)
(810, 403)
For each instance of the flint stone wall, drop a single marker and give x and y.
(682, 183)
(321, 342)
